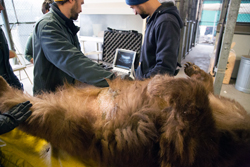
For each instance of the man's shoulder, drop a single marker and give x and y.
(48, 19)
(2, 39)
(1, 34)
(167, 18)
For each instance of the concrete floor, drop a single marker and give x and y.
(200, 55)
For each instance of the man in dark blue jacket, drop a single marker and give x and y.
(5, 68)
(159, 52)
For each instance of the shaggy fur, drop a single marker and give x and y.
(161, 121)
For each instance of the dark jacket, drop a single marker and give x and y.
(159, 52)
(5, 68)
(28, 49)
(57, 55)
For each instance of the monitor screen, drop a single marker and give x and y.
(124, 58)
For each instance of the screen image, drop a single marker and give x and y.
(124, 59)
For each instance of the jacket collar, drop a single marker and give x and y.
(74, 29)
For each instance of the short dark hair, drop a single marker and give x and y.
(46, 5)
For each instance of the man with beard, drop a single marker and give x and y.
(57, 55)
(159, 52)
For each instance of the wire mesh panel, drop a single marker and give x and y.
(23, 11)
(244, 12)
(211, 15)
(22, 15)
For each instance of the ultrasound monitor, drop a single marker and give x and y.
(124, 59)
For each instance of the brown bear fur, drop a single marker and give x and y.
(161, 121)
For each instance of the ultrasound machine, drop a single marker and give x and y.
(123, 63)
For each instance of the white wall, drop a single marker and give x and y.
(97, 15)
(106, 7)
(96, 24)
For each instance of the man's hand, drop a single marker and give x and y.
(15, 116)
(126, 77)
(31, 60)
